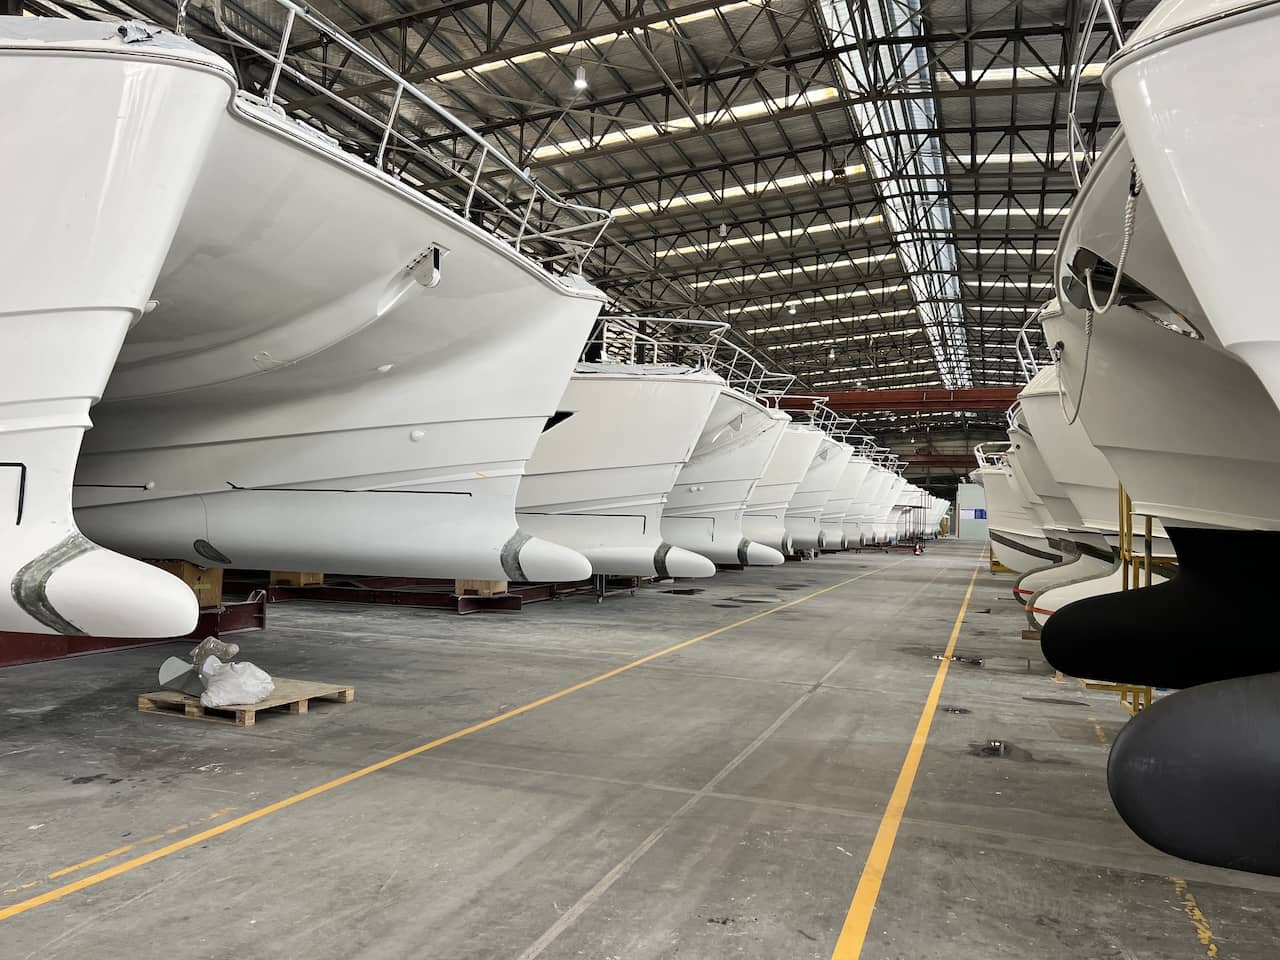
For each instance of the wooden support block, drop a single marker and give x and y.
(205, 582)
(479, 588)
(295, 578)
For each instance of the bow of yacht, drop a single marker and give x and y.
(764, 521)
(302, 395)
(137, 109)
(707, 506)
(628, 424)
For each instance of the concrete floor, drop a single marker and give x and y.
(718, 801)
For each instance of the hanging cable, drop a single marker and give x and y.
(1084, 372)
(1130, 216)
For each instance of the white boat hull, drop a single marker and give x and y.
(841, 502)
(1196, 90)
(599, 479)
(1076, 465)
(764, 521)
(708, 502)
(304, 398)
(1047, 602)
(803, 519)
(884, 524)
(105, 138)
(1186, 426)
(858, 517)
(1016, 541)
(1085, 556)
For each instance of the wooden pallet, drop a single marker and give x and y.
(289, 696)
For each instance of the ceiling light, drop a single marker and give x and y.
(768, 235)
(790, 272)
(791, 310)
(710, 118)
(580, 79)
(729, 193)
(831, 354)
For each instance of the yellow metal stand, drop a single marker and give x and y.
(1133, 564)
(1133, 698)
(1135, 571)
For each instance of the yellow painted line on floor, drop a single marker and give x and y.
(1098, 731)
(177, 846)
(118, 851)
(854, 932)
(110, 854)
(1199, 922)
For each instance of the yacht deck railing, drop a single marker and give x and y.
(643, 340)
(988, 455)
(1081, 149)
(1028, 362)
(744, 372)
(480, 183)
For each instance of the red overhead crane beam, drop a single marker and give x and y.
(865, 401)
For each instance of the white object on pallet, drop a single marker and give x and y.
(233, 683)
(106, 126)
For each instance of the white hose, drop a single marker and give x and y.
(1130, 217)
(1084, 373)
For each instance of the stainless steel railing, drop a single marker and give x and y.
(641, 340)
(744, 372)
(1028, 361)
(1081, 149)
(988, 455)
(482, 184)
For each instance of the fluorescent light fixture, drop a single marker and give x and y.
(822, 298)
(765, 236)
(729, 193)
(599, 39)
(710, 118)
(833, 320)
(1000, 308)
(802, 344)
(1015, 284)
(1050, 212)
(996, 158)
(1010, 251)
(1054, 73)
(791, 271)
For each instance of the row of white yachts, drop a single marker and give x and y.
(301, 356)
(1166, 380)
